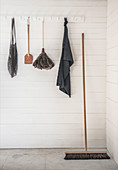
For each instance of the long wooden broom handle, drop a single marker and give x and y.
(43, 35)
(84, 94)
(28, 38)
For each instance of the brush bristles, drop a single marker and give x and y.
(78, 156)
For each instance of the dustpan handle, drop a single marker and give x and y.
(28, 25)
(28, 37)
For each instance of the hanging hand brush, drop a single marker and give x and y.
(43, 61)
(28, 57)
(85, 154)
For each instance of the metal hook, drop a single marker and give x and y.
(28, 20)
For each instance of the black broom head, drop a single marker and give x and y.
(86, 156)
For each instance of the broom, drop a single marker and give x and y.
(85, 154)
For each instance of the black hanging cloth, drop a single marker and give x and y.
(63, 79)
(13, 55)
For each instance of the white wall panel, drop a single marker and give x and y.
(34, 113)
(112, 78)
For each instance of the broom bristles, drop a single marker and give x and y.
(86, 156)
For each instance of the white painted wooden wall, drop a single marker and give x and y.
(34, 113)
(112, 79)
